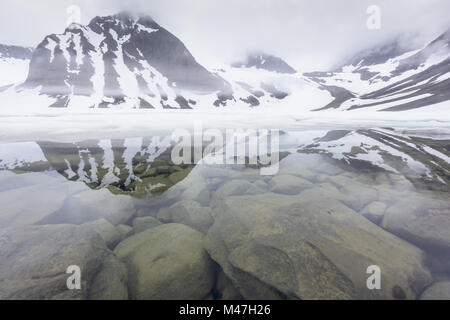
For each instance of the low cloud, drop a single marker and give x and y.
(310, 35)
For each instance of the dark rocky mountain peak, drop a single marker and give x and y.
(266, 62)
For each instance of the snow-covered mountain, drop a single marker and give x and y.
(393, 77)
(14, 63)
(118, 58)
(124, 61)
(133, 62)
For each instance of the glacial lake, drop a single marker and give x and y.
(349, 214)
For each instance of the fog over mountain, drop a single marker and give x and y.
(309, 35)
(129, 60)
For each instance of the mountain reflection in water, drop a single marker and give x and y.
(135, 166)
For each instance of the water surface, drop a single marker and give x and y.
(141, 227)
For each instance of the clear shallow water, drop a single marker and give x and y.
(140, 227)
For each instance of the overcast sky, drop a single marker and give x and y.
(309, 34)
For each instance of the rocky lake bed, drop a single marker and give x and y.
(140, 227)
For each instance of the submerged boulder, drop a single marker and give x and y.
(438, 291)
(35, 260)
(287, 184)
(188, 212)
(224, 288)
(233, 188)
(144, 223)
(374, 211)
(109, 234)
(275, 246)
(111, 282)
(420, 220)
(354, 194)
(29, 205)
(124, 230)
(198, 192)
(167, 262)
(91, 205)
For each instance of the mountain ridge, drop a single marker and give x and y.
(265, 61)
(131, 61)
(404, 80)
